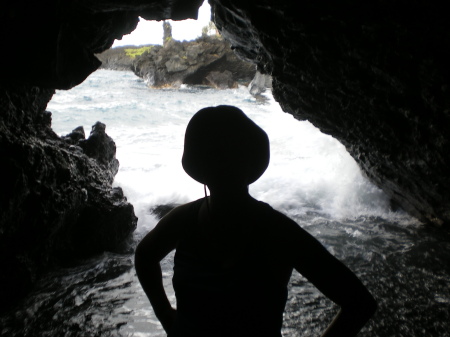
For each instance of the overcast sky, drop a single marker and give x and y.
(151, 32)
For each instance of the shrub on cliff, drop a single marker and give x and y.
(133, 52)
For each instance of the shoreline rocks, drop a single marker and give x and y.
(205, 61)
(57, 201)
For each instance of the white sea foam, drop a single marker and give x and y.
(308, 170)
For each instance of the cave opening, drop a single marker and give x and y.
(148, 128)
(147, 125)
(310, 179)
(331, 185)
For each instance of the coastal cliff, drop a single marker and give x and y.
(208, 60)
(205, 61)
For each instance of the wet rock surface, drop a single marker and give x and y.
(375, 76)
(57, 202)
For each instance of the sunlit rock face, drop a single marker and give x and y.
(373, 75)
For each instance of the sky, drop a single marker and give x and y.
(151, 32)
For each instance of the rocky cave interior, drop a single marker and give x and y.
(373, 75)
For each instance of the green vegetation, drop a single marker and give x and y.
(133, 52)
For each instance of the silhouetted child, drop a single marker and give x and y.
(234, 255)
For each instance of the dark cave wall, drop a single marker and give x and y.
(373, 75)
(52, 43)
(57, 203)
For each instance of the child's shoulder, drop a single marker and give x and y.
(276, 220)
(189, 207)
(270, 211)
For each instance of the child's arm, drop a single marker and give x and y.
(151, 250)
(335, 281)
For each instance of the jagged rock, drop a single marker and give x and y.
(75, 136)
(57, 203)
(191, 62)
(102, 148)
(167, 32)
(260, 83)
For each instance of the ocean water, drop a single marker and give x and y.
(311, 178)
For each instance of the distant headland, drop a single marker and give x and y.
(208, 60)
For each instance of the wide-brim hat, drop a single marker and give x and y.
(222, 144)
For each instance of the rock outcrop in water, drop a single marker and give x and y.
(206, 60)
(260, 83)
(375, 75)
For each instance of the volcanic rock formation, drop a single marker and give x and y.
(57, 203)
(207, 60)
(204, 61)
(375, 75)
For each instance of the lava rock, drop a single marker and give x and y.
(56, 204)
(221, 80)
(373, 75)
(75, 136)
(197, 62)
(102, 148)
